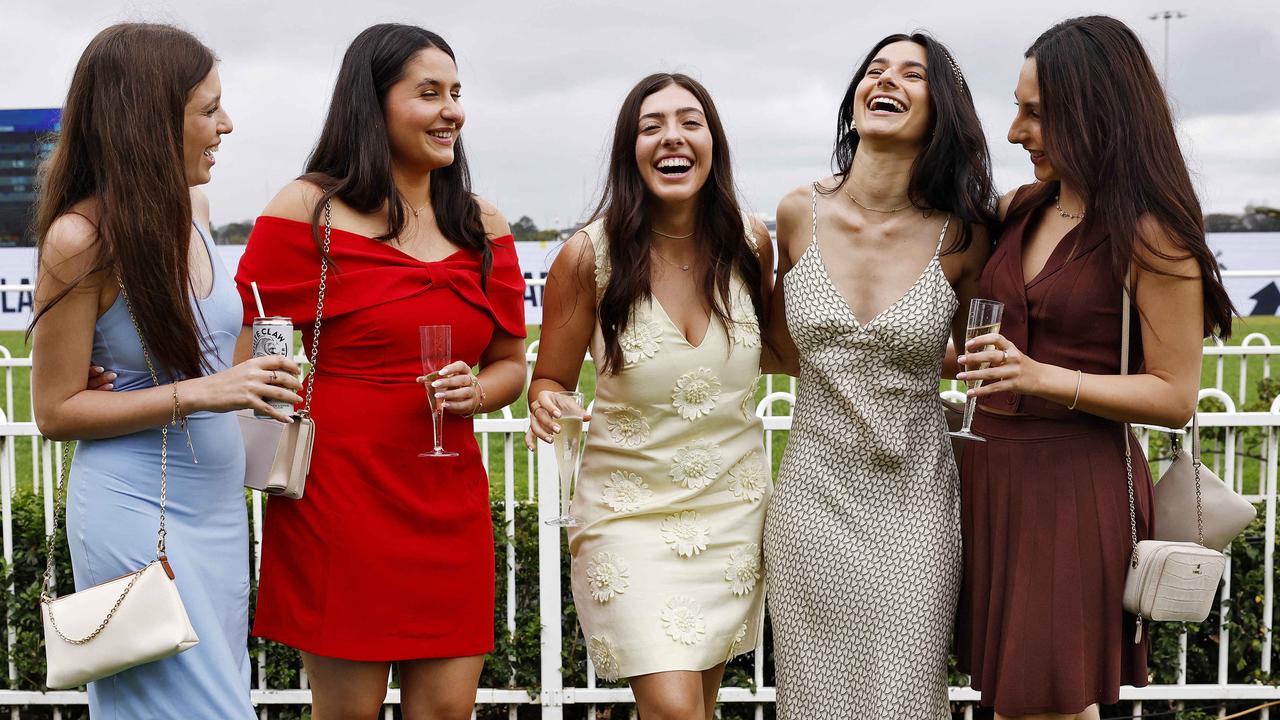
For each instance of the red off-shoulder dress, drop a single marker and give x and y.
(387, 556)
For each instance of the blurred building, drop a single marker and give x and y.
(25, 137)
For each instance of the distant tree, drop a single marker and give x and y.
(524, 229)
(1223, 222)
(236, 233)
(1261, 219)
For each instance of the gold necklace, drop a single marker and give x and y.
(665, 260)
(877, 210)
(673, 237)
(1070, 216)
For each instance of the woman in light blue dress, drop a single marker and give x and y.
(118, 208)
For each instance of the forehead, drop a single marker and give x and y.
(207, 89)
(669, 99)
(1028, 89)
(902, 51)
(431, 63)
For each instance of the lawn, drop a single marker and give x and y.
(1267, 326)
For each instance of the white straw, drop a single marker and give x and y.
(258, 299)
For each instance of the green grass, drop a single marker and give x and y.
(1268, 326)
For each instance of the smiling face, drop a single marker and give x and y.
(673, 144)
(892, 98)
(423, 113)
(204, 123)
(1026, 129)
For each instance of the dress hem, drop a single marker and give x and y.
(388, 652)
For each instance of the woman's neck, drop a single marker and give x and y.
(881, 177)
(667, 219)
(1070, 200)
(414, 187)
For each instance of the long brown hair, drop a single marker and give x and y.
(352, 159)
(121, 144)
(952, 172)
(1109, 134)
(718, 225)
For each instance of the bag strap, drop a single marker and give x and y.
(315, 334)
(60, 491)
(1125, 314)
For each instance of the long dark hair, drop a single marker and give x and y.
(718, 225)
(1109, 134)
(121, 143)
(352, 159)
(953, 171)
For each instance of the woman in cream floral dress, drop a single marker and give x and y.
(665, 288)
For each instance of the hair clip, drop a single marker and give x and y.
(955, 69)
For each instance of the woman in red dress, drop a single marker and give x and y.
(388, 558)
(1044, 502)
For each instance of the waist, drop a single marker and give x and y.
(1024, 426)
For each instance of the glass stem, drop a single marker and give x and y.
(970, 404)
(437, 417)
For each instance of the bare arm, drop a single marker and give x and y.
(568, 319)
(970, 262)
(63, 343)
(780, 354)
(1164, 391)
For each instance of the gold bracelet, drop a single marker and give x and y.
(475, 381)
(176, 418)
(1079, 376)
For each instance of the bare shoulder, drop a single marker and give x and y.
(495, 224)
(1161, 251)
(70, 249)
(295, 201)
(760, 233)
(200, 206)
(1005, 201)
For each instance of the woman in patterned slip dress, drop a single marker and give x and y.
(1045, 501)
(96, 235)
(666, 289)
(862, 539)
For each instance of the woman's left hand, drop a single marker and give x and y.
(1004, 367)
(456, 387)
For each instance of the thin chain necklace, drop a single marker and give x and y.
(656, 231)
(665, 260)
(877, 210)
(1070, 216)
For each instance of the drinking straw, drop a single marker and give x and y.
(258, 299)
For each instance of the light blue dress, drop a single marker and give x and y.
(113, 513)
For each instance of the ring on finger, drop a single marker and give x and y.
(1005, 358)
(273, 377)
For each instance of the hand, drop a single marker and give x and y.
(251, 384)
(1008, 370)
(455, 388)
(100, 379)
(542, 419)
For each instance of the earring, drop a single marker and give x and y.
(853, 126)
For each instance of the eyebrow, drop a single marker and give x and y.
(432, 82)
(1029, 103)
(681, 111)
(908, 63)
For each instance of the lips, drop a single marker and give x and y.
(208, 154)
(1037, 156)
(444, 136)
(674, 166)
(886, 104)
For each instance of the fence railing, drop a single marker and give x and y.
(501, 439)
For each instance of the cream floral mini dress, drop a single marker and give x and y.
(671, 497)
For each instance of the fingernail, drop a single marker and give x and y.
(436, 383)
(556, 428)
(960, 376)
(439, 395)
(111, 376)
(108, 386)
(97, 368)
(961, 359)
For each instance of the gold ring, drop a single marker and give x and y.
(1005, 359)
(273, 377)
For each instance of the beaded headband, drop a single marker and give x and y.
(955, 69)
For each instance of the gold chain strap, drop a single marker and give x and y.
(315, 335)
(59, 498)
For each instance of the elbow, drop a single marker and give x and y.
(1179, 416)
(51, 427)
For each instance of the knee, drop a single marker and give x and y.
(440, 707)
(346, 705)
(673, 708)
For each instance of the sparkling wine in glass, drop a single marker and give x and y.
(984, 319)
(568, 447)
(437, 351)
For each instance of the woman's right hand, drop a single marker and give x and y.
(542, 419)
(251, 384)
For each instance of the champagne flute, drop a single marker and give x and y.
(568, 447)
(984, 319)
(436, 346)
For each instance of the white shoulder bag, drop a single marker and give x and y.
(115, 625)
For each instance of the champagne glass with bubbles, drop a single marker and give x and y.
(568, 447)
(437, 351)
(984, 319)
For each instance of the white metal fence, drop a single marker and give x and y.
(1250, 361)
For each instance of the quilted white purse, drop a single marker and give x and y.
(1167, 580)
(115, 625)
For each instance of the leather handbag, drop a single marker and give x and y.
(115, 625)
(277, 456)
(1193, 505)
(1167, 580)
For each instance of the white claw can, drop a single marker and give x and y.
(273, 336)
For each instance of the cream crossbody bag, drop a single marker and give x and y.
(1167, 580)
(115, 625)
(277, 456)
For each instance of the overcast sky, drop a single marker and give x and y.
(542, 81)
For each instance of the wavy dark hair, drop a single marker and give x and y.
(1109, 134)
(121, 144)
(623, 206)
(352, 160)
(952, 173)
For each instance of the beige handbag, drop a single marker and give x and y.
(115, 625)
(1189, 490)
(1167, 580)
(277, 456)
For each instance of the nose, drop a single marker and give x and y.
(886, 79)
(671, 134)
(452, 110)
(1016, 132)
(226, 126)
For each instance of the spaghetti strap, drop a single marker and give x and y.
(813, 213)
(942, 235)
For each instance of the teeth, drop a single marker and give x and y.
(443, 134)
(899, 107)
(674, 162)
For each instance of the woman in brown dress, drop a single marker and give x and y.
(1045, 506)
